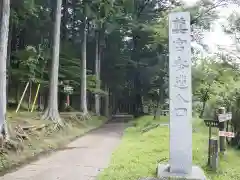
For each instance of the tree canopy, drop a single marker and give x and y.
(115, 48)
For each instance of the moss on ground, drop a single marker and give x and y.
(139, 153)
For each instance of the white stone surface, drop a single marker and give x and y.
(164, 174)
(180, 93)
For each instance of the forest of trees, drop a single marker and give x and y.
(107, 50)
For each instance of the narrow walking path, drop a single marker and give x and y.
(82, 159)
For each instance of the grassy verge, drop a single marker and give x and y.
(139, 153)
(42, 141)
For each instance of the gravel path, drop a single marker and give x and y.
(82, 159)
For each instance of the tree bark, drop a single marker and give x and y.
(203, 109)
(156, 110)
(205, 98)
(84, 68)
(137, 106)
(65, 20)
(9, 59)
(46, 95)
(74, 17)
(52, 112)
(107, 101)
(97, 73)
(61, 104)
(3, 63)
(30, 96)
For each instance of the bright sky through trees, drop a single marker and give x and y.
(216, 37)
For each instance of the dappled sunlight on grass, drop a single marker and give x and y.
(139, 153)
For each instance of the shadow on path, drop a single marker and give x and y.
(82, 159)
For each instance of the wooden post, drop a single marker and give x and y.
(30, 95)
(19, 104)
(68, 100)
(107, 101)
(209, 144)
(35, 97)
(214, 154)
(222, 142)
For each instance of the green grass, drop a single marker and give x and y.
(139, 153)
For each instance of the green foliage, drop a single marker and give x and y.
(139, 153)
(31, 63)
(133, 43)
(216, 81)
(134, 66)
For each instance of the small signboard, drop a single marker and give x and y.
(226, 134)
(145, 109)
(68, 89)
(224, 117)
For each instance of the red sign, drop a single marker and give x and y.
(226, 134)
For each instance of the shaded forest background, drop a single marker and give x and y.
(114, 53)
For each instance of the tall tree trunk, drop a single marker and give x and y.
(97, 73)
(46, 95)
(84, 67)
(137, 106)
(203, 109)
(3, 63)
(52, 112)
(30, 96)
(62, 99)
(64, 20)
(107, 102)
(205, 98)
(156, 110)
(74, 17)
(9, 59)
